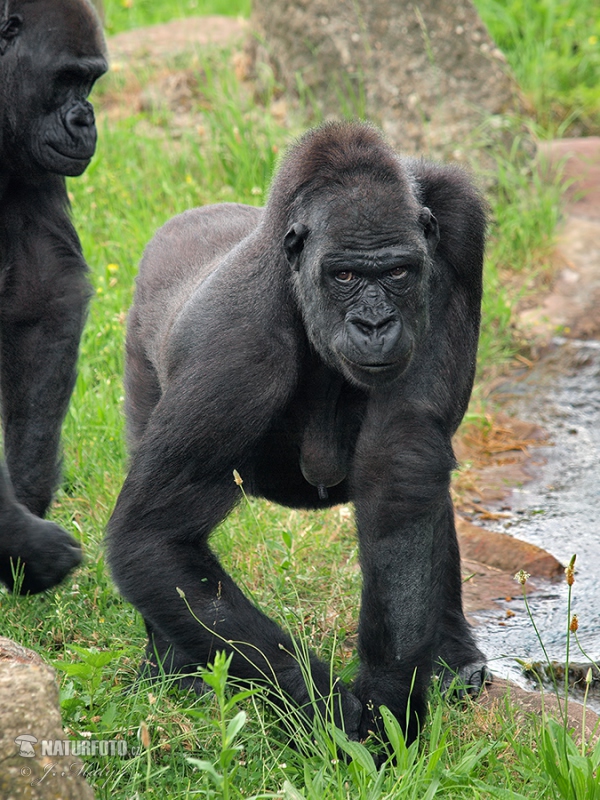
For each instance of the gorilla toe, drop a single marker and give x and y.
(467, 680)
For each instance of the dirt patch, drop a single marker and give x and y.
(158, 43)
(161, 69)
(495, 694)
(572, 306)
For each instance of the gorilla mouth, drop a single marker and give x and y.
(71, 156)
(372, 368)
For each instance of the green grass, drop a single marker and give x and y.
(553, 48)
(301, 567)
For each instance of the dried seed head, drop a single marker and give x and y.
(574, 623)
(522, 577)
(144, 735)
(570, 571)
(237, 477)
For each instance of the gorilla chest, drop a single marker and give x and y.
(313, 442)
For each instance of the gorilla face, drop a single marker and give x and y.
(53, 56)
(63, 140)
(361, 279)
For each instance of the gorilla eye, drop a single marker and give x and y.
(397, 273)
(345, 276)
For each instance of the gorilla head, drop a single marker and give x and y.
(51, 53)
(361, 247)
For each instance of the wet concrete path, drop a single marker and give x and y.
(559, 510)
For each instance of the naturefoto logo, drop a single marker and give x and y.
(66, 747)
(26, 742)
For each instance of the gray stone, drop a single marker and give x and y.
(427, 72)
(29, 712)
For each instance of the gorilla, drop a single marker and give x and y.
(51, 53)
(324, 347)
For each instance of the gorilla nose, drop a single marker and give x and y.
(377, 334)
(80, 115)
(374, 327)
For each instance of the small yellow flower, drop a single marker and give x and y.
(593, 40)
(237, 477)
(112, 267)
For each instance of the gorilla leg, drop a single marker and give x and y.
(163, 659)
(142, 388)
(153, 565)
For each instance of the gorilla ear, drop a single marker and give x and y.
(293, 243)
(431, 228)
(9, 29)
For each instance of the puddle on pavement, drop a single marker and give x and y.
(558, 510)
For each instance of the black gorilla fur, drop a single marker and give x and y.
(51, 52)
(325, 348)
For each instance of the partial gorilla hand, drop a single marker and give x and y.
(44, 550)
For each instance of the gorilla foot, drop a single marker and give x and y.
(467, 680)
(46, 552)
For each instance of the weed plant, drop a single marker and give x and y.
(301, 567)
(572, 768)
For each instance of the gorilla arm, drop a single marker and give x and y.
(411, 615)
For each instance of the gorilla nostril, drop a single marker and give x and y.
(80, 116)
(374, 327)
(366, 328)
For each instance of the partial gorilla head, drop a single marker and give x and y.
(51, 53)
(361, 244)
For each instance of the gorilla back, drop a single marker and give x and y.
(324, 347)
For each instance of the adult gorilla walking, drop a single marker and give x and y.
(51, 52)
(325, 348)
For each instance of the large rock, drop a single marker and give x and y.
(503, 552)
(29, 714)
(427, 72)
